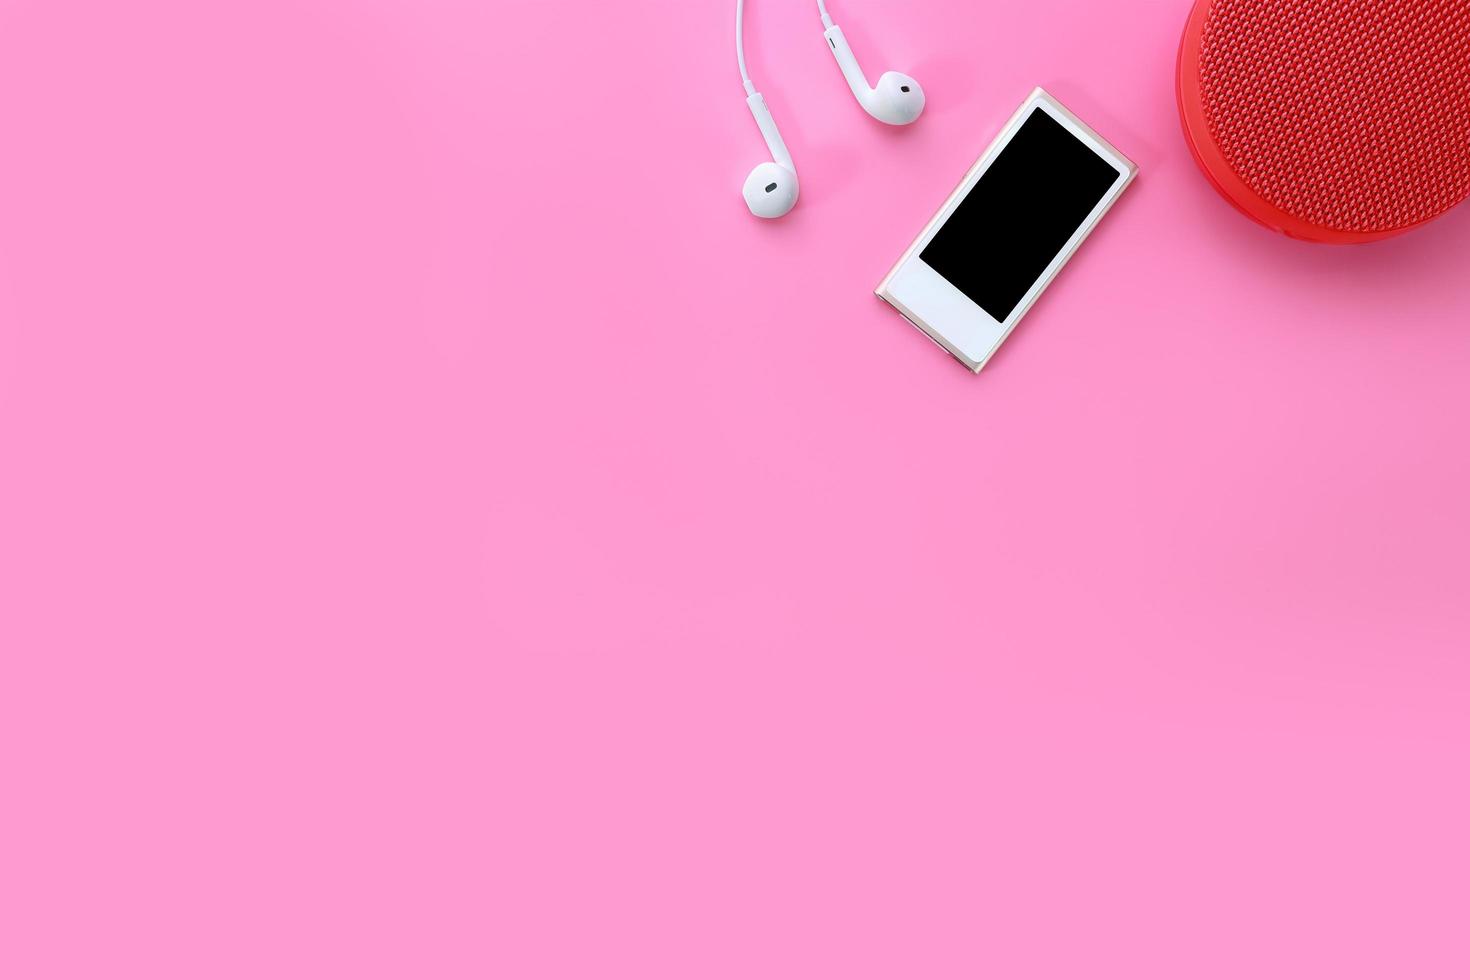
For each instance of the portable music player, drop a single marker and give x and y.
(1007, 230)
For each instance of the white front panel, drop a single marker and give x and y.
(967, 330)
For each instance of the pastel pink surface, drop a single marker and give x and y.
(443, 535)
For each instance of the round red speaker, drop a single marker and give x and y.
(1330, 120)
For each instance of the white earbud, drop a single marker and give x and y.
(897, 99)
(772, 188)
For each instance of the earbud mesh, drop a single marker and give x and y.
(1353, 115)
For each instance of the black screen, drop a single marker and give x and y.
(1019, 214)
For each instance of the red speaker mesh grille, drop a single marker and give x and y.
(1352, 115)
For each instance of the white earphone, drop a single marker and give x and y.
(897, 100)
(772, 188)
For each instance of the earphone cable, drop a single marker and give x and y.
(740, 46)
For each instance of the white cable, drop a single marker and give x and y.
(740, 46)
(822, 6)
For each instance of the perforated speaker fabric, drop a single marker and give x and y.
(1351, 116)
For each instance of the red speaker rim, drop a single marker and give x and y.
(1218, 170)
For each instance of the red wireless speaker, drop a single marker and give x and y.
(1330, 120)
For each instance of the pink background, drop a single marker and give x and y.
(443, 535)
